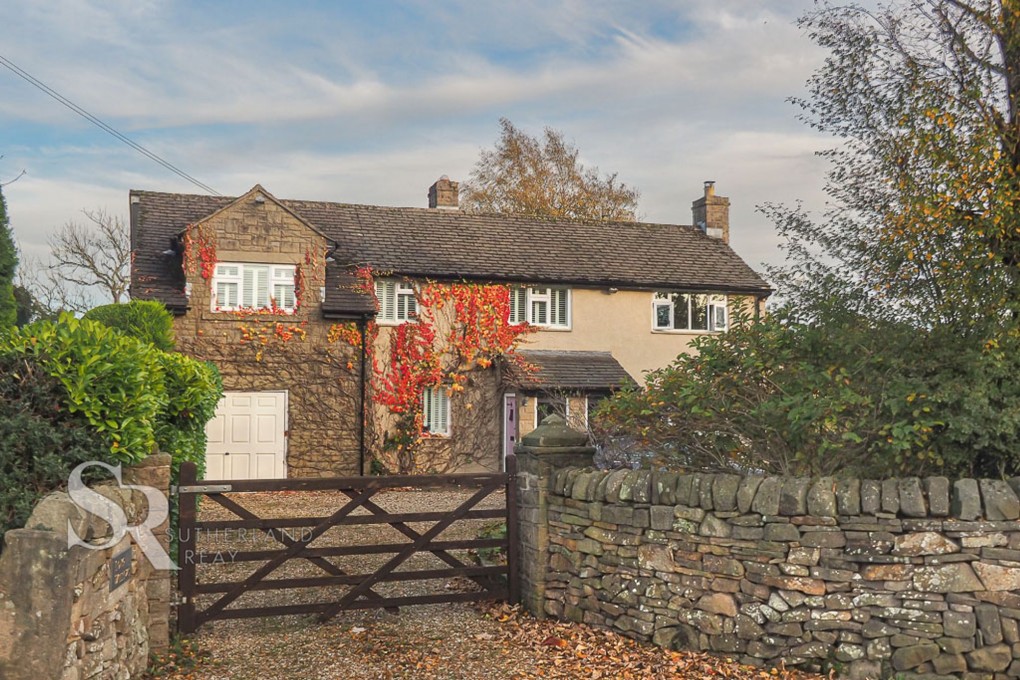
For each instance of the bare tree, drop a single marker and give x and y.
(46, 292)
(93, 256)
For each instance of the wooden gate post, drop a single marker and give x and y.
(548, 448)
(187, 542)
(513, 547)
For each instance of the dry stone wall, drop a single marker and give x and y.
(61, 615)
(876, 579)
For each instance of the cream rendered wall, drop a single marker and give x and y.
(620, 323)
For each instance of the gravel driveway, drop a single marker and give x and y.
(463, 641)
(368, 643)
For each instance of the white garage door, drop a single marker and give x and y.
(246, 437)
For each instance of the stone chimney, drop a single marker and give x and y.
(712, 213)
(443, 194)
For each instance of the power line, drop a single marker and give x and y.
(32, 80)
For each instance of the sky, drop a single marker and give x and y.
(371, 102)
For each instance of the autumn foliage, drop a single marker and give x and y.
(460, 327)
(544, 178)
(896, 341)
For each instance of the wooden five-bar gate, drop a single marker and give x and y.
(208, 599)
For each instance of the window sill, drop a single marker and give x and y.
(552, 329)
(683, 331)
(251, 311)
(391, 323)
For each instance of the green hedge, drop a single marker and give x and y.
(112, 381)
(92, 393)
(193, 389)
(851, 396)
(40, 439)
(146, 320)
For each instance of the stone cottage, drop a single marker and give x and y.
(274, 292)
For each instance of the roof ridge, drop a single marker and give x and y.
(524, 217)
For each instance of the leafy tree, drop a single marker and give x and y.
(897, 343)
(31, 308)
(544, 177)
(8, 263)
(25, 305)
(924, 189)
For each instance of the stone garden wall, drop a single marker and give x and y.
(874, 579)
(63, 615)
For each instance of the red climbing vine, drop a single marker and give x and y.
(460, 327)
(199, 252)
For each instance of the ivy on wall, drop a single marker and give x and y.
(460, 327)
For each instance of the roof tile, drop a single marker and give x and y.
(451, 244)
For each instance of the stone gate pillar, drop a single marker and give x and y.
(154, 471)
(548, 448)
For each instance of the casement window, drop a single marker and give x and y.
(435, 410)
(546, 406)
(397, 302)
(546, 307)
(688, 312)
(237, 285)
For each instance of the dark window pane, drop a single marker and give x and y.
(548, 406)
(681, 307)
(699, 312)
(661, 316)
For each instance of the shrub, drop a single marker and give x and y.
(145, 320)
(193, 389)
(840, 394)
(40, 439)
(111, 381)
(115, 397)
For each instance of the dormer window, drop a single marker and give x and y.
(241, 285)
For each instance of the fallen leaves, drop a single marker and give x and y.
(429, 642)
(574, 650)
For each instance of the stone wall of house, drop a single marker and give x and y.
(474, 443)
(279, 352)
(59, 616)
(876, 579)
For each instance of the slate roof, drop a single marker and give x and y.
(451, 245)
(572, 371)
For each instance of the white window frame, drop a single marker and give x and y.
(716, 312)
(389, 310)
(435, 411)
(236, 273)
(554, 400)
(541, 294)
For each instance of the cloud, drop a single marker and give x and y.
(37, 207)
(371, 102)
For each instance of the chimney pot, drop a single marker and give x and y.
(444, 194)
